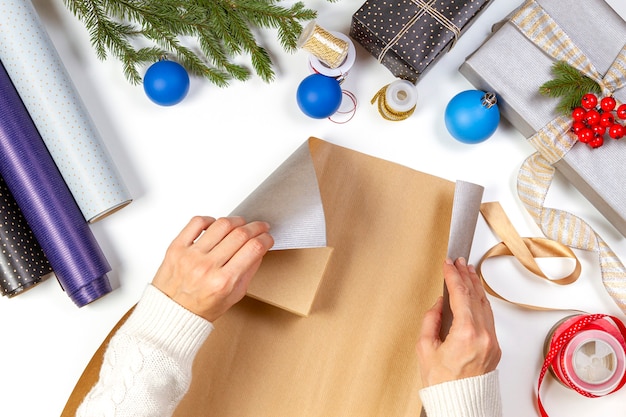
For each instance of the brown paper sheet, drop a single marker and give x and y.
(289, 199)
(354, 355)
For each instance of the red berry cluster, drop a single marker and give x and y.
(592, 120)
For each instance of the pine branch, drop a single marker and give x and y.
(569, 85)
(203, 35)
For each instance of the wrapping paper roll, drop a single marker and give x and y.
(34, 66)
(47, 203)
(22, 261)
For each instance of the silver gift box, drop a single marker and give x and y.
(510, 65)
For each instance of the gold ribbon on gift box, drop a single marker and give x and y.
(554, 140)
(425, 7)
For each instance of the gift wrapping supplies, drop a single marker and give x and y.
(514, 61)
(54, 163)
(514, 65)
(409, 36)
(344, 359)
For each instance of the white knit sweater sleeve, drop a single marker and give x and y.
(147, 364)
(478, 396)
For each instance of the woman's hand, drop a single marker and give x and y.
(471, 348)
(208, 266)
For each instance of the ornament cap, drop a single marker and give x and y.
(489, 100)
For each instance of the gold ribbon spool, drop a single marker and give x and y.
(327, 47)
(396, 101)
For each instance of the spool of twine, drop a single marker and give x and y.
(328, 48)
(342, 71)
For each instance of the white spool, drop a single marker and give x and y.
(401, 96)
(597, 361)
(317, 66)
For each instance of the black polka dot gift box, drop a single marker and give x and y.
(409, 36)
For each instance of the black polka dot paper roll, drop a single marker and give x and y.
(22, 261)
(409, 36)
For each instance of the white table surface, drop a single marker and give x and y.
(204, 155)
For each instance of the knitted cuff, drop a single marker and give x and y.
(477, 396)
(165, 324)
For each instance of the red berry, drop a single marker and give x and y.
(608, 103)
(596, 142)
(607, 119)
(589, 101)
(598, 129)
(592, 117)
(617, 131)
(621, 111)
(578, 114)
(577, 126)
(585, 135)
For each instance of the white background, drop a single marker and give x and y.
(204, 155)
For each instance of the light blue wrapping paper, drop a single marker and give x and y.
(45, 87)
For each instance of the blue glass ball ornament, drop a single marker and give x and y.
(472, 116)
(166, 82)
(319, 96)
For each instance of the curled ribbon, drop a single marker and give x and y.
(554, 140)
(349, 112)
(525, 250)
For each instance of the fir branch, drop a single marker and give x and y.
(570, 85)
(140, 32)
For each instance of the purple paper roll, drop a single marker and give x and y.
(23, 264)
(47, 203)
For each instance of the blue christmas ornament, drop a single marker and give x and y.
(166, 82)
(472, 116)
(319, 96)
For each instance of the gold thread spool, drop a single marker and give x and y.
(396, 108)
(328, 48)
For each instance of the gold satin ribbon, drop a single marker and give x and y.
(525, 250)
(554, 140)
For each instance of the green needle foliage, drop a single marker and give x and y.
(202, 35)
(570, 85)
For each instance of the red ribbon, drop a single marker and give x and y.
(555, 354)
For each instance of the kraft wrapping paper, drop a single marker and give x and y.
(289, 199)
(50, 96)
(513, 67)
(47, 204)
(354, 354)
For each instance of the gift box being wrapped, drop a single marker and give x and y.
(408, 36)
(517, 58)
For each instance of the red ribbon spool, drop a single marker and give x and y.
(586, 353)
